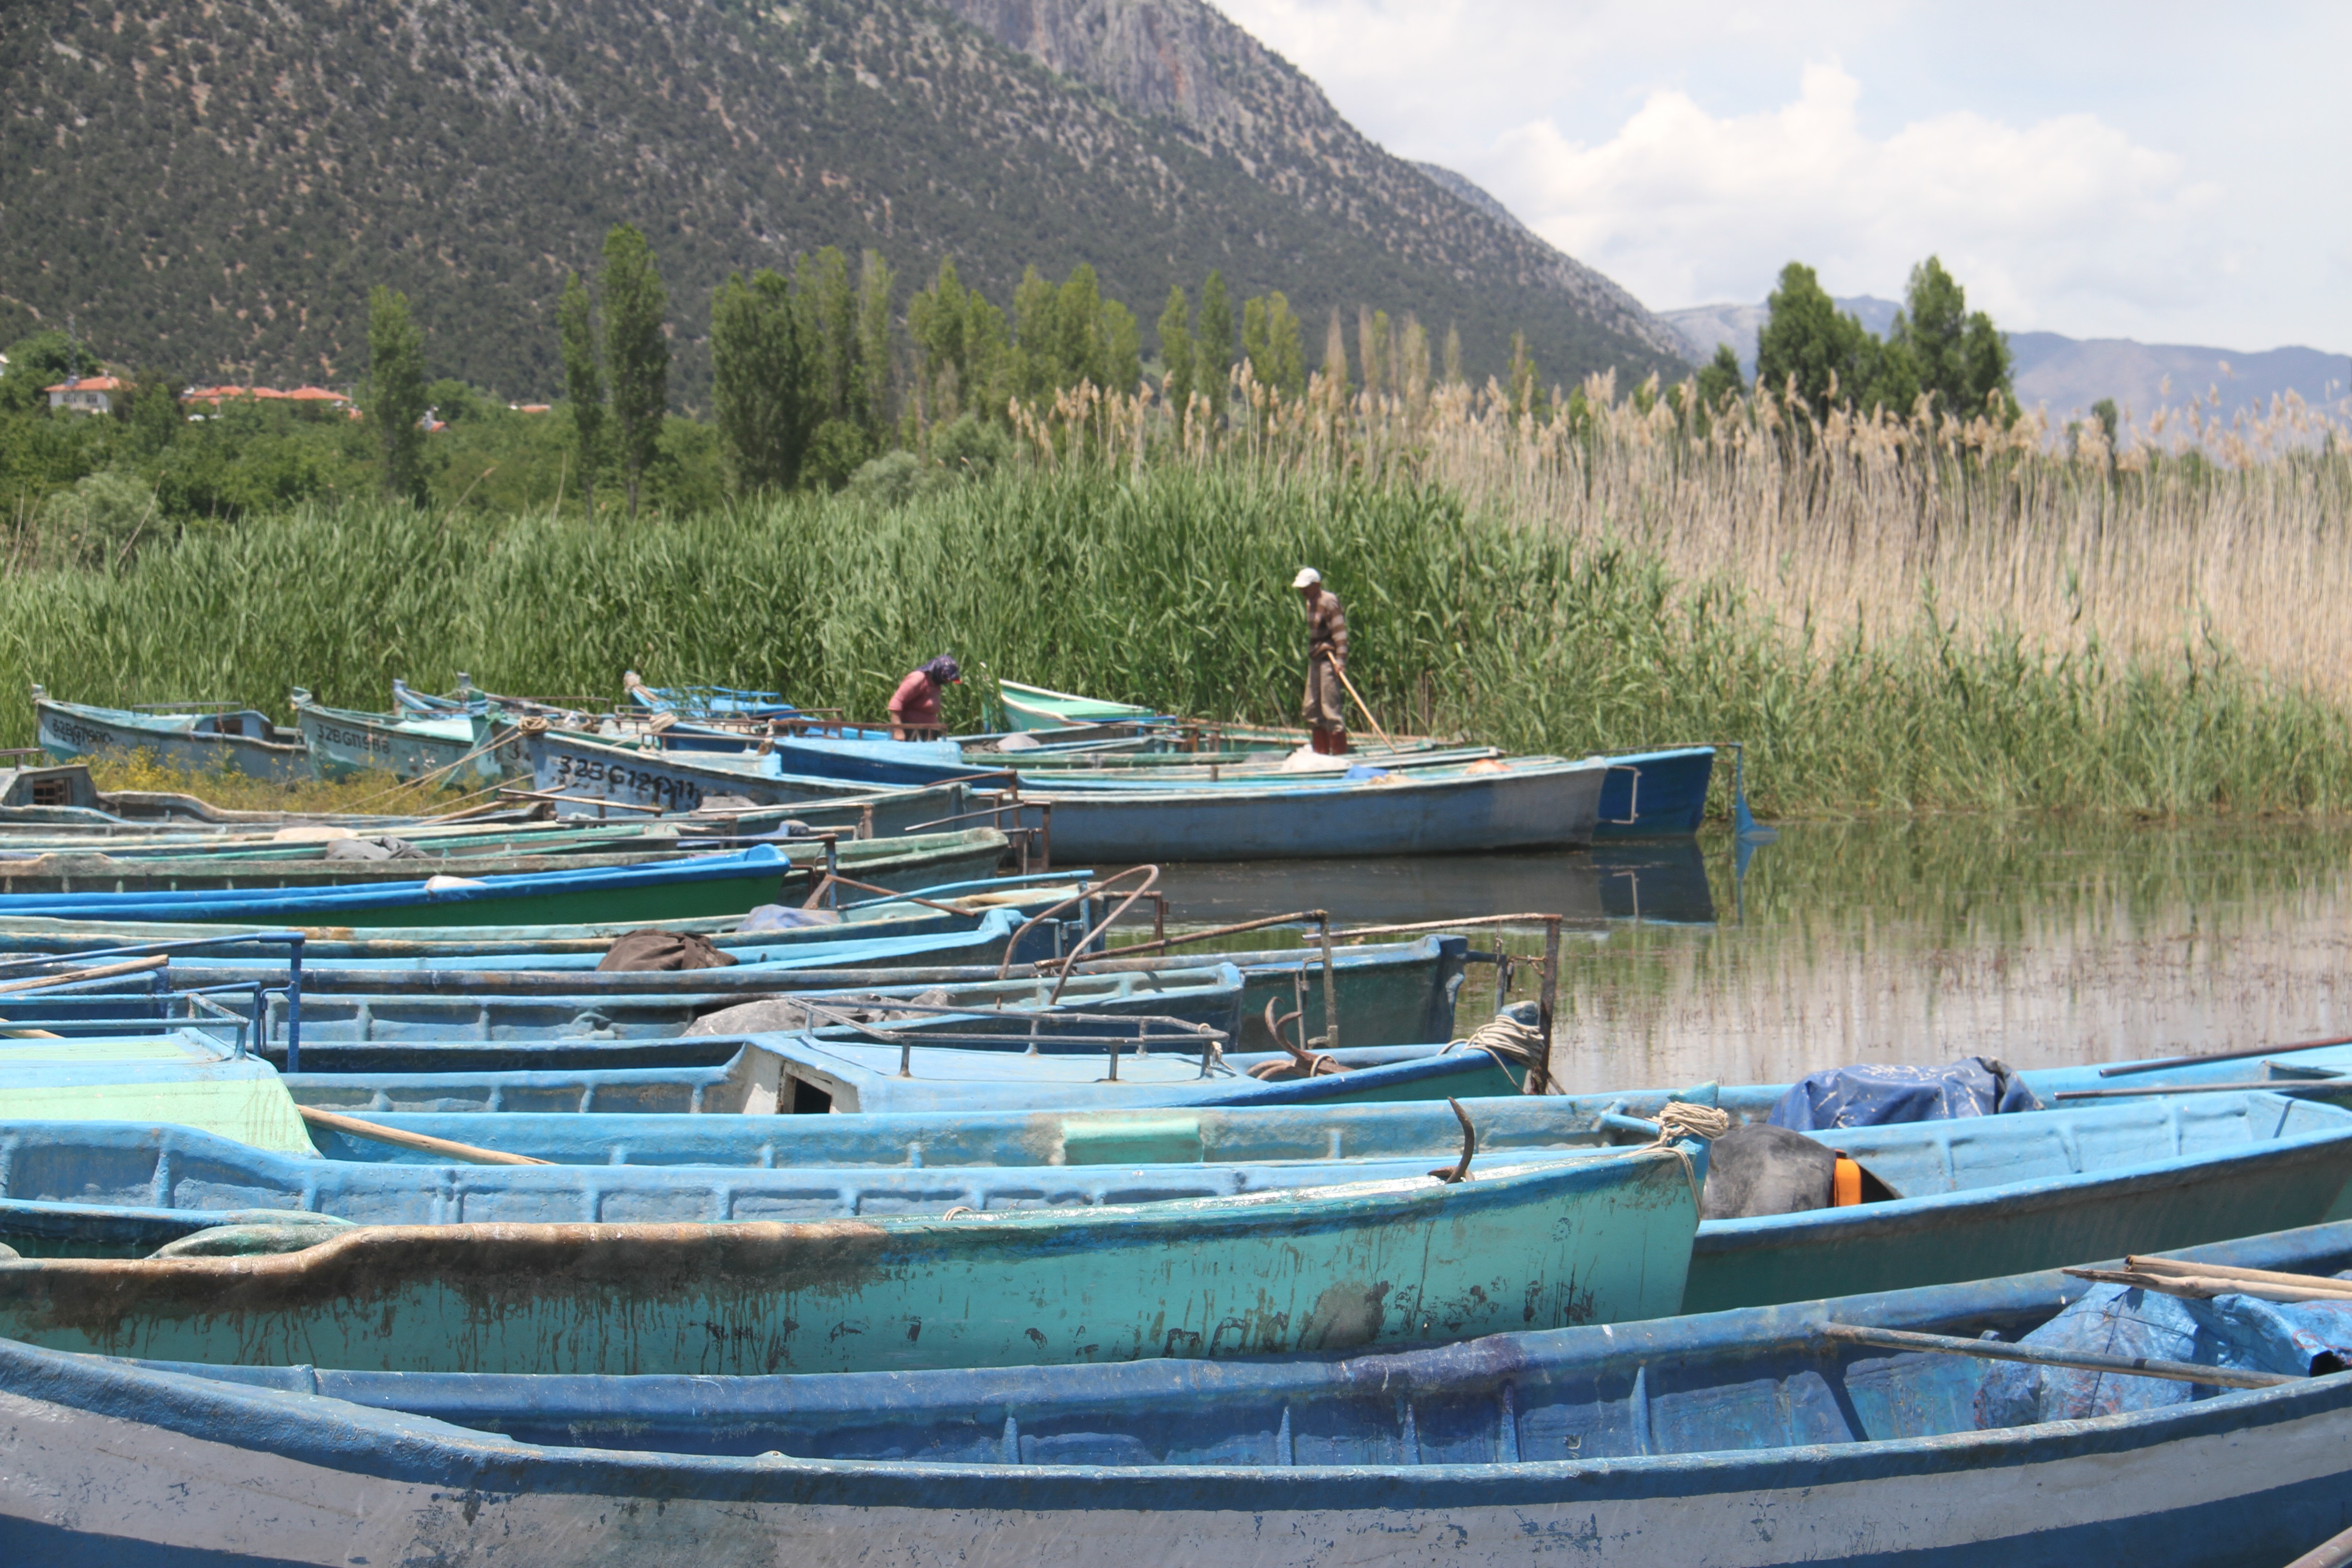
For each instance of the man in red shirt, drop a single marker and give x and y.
(915, 706)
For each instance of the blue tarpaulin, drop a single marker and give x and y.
(1874, 1096)
(2303, 1339)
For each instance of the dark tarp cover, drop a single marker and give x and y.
(1872, 1095)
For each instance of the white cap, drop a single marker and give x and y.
(1307, 578)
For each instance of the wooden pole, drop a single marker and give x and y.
(377, 1133)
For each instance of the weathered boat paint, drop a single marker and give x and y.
(238, 742)
(182, 1078)
(582, 770)
(149, 1169)
(1736, 1440)
(803, 1074)
(344, 743)
(1597, 1239)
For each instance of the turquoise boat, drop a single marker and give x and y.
(456, 749)
(1150, 1062)
(582, 775)
(1752, 1439)
(2046, 1188)
(1603, 1238)
(201, 739)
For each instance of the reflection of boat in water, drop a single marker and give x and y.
(1662, 879)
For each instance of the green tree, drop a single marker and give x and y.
(41, 359)
(1453, 360)
(152, 412)
(396, 392)
(584, 383)
(1076, 344)
(1122, 349)
(1719, 378)
(829, 330)
(1272, 345)
(874, 283)
(960, 350)
(1956, 356)
(1176, 352)
(759, 381)
(1809, 343)
(1213, 355)
(636, 352)
(1035, 316)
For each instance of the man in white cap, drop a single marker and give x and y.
(1326, 655)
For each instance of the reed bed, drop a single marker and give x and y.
(1913, 614)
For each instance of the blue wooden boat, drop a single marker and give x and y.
(800, 1075)
(147, 1171)
(457, 749)
(199, 740)
(1969, 1196)
(1747, 1439)
(584, 775)
(1603, 1237)
(1653, 794)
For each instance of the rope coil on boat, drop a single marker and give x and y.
(1679, 1119)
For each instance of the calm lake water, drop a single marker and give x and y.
(2039, 941)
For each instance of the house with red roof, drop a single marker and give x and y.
(87, 393)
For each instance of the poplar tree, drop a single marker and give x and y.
(1453, 355)
(829, 323)
(636, 352)
(874, 283)
(1176, 352)
(583, 382)
(1213, 352)
(395, 401)
(759, 381)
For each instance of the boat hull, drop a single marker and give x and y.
(1549, 806)
(115, 1463)
(343, 745)
(1600, 1239)
(584, 772)
(69, 730)
(1654, 794)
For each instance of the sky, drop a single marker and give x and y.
(2163, 172)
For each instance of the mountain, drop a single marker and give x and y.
(2067, 376)
(211, 186)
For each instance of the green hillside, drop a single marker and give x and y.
(209, 190)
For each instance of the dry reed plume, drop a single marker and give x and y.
(2211, 538)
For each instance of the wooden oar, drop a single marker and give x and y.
(2082, 1361)
(2333, 1553)
(406, 1140)
(1363, 708)
(2306, 1288)
(2175, 1265)
(76, 976)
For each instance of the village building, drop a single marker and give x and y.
(86, 394)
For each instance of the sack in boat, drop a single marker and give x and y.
(386, 848)
(663, 949)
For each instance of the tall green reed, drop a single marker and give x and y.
(1168, 586)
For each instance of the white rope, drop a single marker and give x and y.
(1679, 1119)
(1504, 1036)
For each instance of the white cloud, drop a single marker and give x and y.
(2066, 224)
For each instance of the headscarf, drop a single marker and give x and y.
(944, 670)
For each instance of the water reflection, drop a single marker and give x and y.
(2040, 941)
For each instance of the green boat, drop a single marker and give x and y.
(1600, 1239)
(457, 749)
